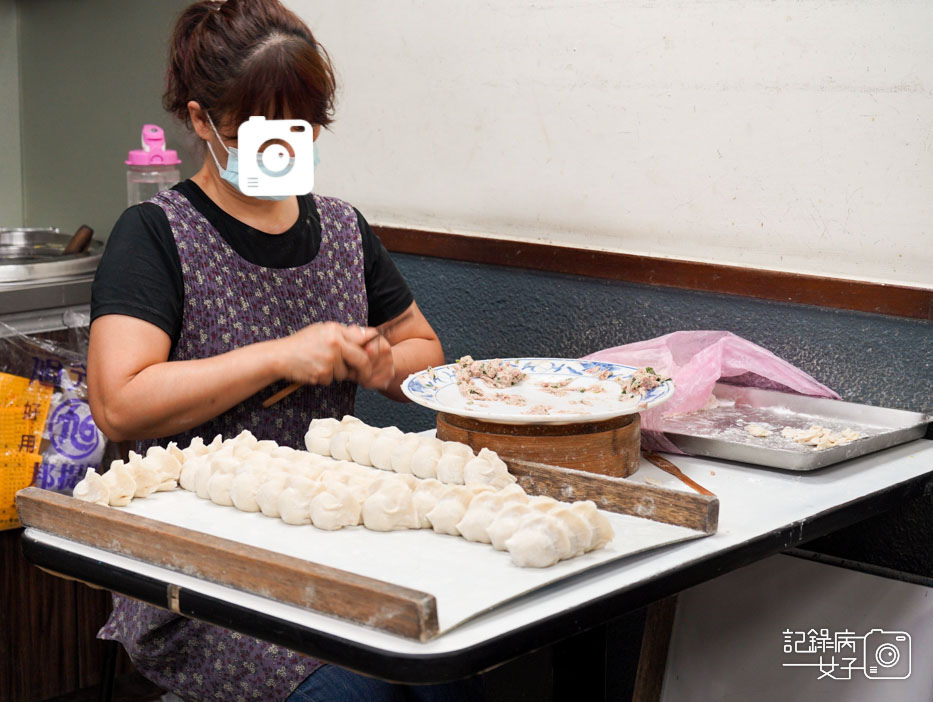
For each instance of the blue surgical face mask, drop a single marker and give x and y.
(231, 173)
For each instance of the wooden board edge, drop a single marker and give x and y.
(360, 599)
(680, 508)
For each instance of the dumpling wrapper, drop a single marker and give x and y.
(358, 443)
(450, 509)
(121, 485)
(540, 541)
(92, 488)
(335, 508)
(147, 478)
(403, 451)
(267, 496)
(380, 451)
(389, 507)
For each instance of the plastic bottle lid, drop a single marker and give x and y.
(153, 152)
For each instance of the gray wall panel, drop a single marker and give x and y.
(11, 171)
(489, 311)
(92, 75)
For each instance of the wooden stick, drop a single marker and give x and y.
(669, 467)
(660, 504)
(280, 395)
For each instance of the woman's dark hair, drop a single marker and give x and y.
(245, 57)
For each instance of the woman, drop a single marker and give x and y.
(207, 301)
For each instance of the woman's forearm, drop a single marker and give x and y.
(168, 398)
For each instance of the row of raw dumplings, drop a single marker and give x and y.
(139, 476)
(391, 449)
(305, 488)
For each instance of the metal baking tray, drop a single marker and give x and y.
(720, 432)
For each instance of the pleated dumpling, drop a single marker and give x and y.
(383, 444)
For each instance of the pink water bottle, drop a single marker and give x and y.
(151, 168)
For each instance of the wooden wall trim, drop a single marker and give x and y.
(861, 296)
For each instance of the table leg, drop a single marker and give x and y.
(654, 646)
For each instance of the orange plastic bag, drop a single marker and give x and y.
(47, 435)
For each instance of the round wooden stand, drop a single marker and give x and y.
(609, 447)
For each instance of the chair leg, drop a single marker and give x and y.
(108, 671)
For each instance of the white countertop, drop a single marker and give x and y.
(753, 502)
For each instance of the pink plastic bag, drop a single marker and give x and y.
(696, 360)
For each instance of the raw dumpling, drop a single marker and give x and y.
(284, 453)
(243, 443)
(454, 457)
(487, 468)
(602, 530)
(483, 510)
(335, 508)
(121, 485)
(165, 464)
(243, 492)
(295, 503)
(539, 542)
(339, 445)
(425, 498)
(218, 488)
(189, 471)
(380, 451)
(403, 451)
(320, 431)
(450, 509)
(506, 523)
(267, 496)
(147, 479)
(173, 449)
(361, 438)
(579, 529)
(92, 489)
(196, 448)
(424, 459)
(389, 507)
(265, 446)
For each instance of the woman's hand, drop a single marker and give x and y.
(322, 353)
(379, 369)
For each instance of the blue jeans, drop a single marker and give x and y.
(332, 684)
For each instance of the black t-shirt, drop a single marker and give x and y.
(140, 272)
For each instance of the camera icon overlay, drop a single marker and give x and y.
(887, 655)
(276, 156)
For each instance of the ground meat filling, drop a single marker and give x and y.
(641, 382)
(494, 373)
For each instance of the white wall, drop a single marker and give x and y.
(792, 135)
(11, 172)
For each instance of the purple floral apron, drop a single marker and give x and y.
(228, 303)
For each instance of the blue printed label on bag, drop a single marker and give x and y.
(72, 430)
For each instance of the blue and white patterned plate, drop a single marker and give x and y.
(584, 399)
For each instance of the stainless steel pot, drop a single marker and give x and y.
(36, 274)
